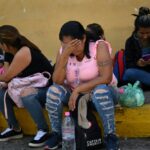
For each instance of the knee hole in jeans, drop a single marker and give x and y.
(28, 91)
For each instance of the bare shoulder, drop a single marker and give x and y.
(23, 53)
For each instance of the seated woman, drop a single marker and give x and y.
(137, 50)
(94, 33)
(23, 58)
(79, 69)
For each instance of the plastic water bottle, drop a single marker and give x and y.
(68, 133)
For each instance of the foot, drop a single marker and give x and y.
(39, 140)
(111, 142)
(53, 142)
(10, 134)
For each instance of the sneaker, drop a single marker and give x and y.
(53, 142)
(39, 140)
(10, 134)
(111, 142)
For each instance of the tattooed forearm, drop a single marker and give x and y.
(104, 63)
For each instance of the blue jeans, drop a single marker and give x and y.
(133, 75)
(33, 103)
(102, 99)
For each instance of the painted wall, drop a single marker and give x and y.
(40, 20)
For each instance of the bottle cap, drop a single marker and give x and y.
(67, 113)
(90, 124)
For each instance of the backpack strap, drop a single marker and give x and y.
(121, 63)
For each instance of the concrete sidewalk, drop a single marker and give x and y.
(125, 144)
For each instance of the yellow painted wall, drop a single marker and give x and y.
(40, 20)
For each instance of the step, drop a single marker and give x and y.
(130, 122)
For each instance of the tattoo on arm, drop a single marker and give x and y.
(104, 63)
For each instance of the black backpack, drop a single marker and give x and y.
(87, 139)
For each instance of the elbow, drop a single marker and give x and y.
(58, 81)
(108, 79)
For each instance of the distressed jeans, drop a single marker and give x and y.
(34, 104)
(102, 98)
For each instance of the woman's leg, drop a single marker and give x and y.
(57, 95)
(114, 94)
(34, 103)
(133, 75)
(103, 102)
(12, 122)
(14, 131)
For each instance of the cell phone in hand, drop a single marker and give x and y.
(146, 53)
(146, 57)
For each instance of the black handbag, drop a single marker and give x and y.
(91, 138)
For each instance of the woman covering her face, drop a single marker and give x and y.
(81, 66)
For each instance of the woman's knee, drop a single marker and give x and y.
(55, 92)
(28, 95)
(100, 92)
(130, 73)
(28, 91)
(101, 89)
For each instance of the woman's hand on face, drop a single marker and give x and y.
(72, 100)
(71, 46)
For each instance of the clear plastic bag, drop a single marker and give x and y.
(131, 95)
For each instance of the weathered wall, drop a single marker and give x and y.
(40, 20)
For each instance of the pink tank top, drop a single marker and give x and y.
(78, 72)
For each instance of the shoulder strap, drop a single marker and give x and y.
(48, 75)
(121, 63)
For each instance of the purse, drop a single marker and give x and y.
(91, 138)
(16, 85)
(87, 138)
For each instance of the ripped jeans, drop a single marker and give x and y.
(34, 104)
(102, 99)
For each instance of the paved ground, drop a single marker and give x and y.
(125, 144)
